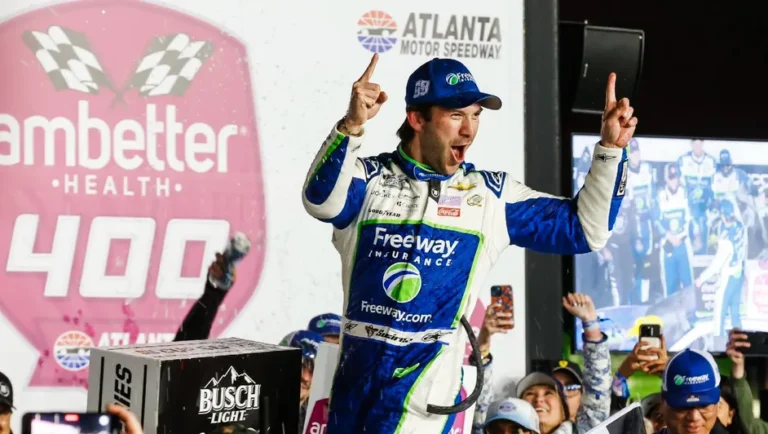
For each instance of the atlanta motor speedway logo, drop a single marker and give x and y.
(431, 34)
(125, 178)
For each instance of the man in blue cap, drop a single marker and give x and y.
(327, 325)
(690, 389)
(419, 228)
(308, 342)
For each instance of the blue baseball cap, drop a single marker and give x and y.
(671, 171)
(725, 158)
(326, 324)
(304, 340)
(446, 83)
(691, 379)
(514, 410)
(726, 208)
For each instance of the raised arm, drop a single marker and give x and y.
(334, 189)
(550, 224)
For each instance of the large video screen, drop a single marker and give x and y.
(689, 248)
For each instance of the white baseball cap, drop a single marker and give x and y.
(514, 410)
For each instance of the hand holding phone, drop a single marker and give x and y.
(503, 301)
(758, 344)
(650, 335)
(70, 423)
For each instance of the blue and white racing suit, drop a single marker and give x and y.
(697, 176)
(733, 187)
(415, 248)
(674, 218)
(640, 193)
(729, 264)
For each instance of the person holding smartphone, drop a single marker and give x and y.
(496, 320)
(131, 424)
(737, 343)
(650, 360)
(548, 395)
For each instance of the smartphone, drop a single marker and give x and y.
(651, 335)
(501, 297)
(70, 423)
(758, 344)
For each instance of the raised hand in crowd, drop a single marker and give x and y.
(131, 425)
(218, 270)
(636, 360)
(582, 307)
(659, 357)
(494, 322)
(737, 340)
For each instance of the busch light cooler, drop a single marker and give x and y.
(201, 387)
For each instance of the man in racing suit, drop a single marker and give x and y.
(697, 168)
(640, 194)
(729, 264)
(730, 183)
(672, 222)
(418, 229)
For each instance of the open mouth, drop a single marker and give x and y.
(458, 153)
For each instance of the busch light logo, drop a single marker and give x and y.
(402, 282)
(126, 178)
(229, 398)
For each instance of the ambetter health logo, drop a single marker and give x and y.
(129, 154)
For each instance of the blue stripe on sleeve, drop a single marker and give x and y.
(327, 173)
(547, 225)
(355, 198)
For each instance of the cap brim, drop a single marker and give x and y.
(571, 371)
(466, 99)
(534, 379)
(692, 399)
(7, 402)
(525, 425)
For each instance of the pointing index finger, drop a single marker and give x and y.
(369, 70)
(610, 90)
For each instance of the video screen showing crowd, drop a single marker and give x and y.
(689, 246)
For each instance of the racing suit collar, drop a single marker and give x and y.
(419, 171)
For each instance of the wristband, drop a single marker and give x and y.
(342, 127)
(587, 325)
(620, 387)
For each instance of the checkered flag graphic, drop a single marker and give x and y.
(170, 65)
(68, 59)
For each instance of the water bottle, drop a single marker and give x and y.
(239, 246)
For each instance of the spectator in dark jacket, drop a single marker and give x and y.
(6, 404)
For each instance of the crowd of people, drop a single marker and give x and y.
(693, 397)
(570, 399)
